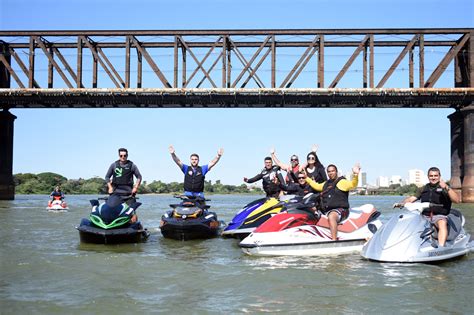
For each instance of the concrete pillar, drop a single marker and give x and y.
(468, 169)
(7, 187)
(457, 151)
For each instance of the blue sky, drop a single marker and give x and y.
(83, 143)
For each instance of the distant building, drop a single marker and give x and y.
(382, 181)
(416, 177)
(396, 180)
(362, 179)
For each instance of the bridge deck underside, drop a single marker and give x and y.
(215, 98)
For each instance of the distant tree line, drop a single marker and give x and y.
(44, 183)
(397, 189)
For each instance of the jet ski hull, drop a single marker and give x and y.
(95, 235)
(404, 239)
(188, 229)
(301, 237)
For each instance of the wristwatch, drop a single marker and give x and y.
(448, 188)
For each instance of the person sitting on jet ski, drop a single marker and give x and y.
(56, 194)
(122, 172)
(270, 177)
(442, 196)
(335, 195)
(194, 174)
(302, 188)
(313, 167)
(292, 169)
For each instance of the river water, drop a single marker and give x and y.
(46, 270)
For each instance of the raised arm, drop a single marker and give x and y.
(451, 193)
(283, 166)
(175, 158)
(216, 159)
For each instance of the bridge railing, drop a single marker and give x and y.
(362, 58)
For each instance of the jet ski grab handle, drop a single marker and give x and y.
(419, 206)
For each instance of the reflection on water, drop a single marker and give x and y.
(45, 269)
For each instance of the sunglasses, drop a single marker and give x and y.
(311, 158)
(301, 177)
(123, 155)
(294, 160)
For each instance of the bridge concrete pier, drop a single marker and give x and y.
(457, 151)
(7, 186)
(468, 164)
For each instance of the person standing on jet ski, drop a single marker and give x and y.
(270, 177)
(335, 195)
(122, 172)
(194, 174)
(292, 169)
(442, 196)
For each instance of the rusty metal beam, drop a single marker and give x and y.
(11, 71)
(23, 67)
(379, 31)
(445, 61)
(349, 62)
(397, 61)
(303, 59)
(152, 64)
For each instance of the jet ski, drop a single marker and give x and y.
(190, 219)
(110, 222)
(303, 232)
(409, 237)
(257, 216)
(240, 217)
(57, 205)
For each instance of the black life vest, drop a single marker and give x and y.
(435, 195)
(123, 174)
(270, 188)
(194, 180)
(332, 197)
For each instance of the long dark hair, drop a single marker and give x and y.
(317, 163)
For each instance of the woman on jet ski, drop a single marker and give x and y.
(313, 168)
(441, 196)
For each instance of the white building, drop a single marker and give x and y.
(417, 177)
(396, 180)
(382, 181)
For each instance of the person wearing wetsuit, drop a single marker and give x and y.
(335, 195)
(270, 176)
(441, 196)
(194, 175)
(120, 174)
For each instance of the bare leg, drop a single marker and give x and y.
(332, 218)
(442, 232)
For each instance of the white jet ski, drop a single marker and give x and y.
(410, 237)
(57, 205)
(300, 232)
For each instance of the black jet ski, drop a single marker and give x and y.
(111, 222)
(190, 219)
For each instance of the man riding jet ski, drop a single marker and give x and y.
(113, 221)
(304, 231)
(190, 219)
(411, 237)
(57, 203)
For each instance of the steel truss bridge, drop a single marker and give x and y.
(343, 68)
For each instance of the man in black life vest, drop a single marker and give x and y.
(194, 174)
(441, 196)
(335, 195)
(122, 172)
(271, 178)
